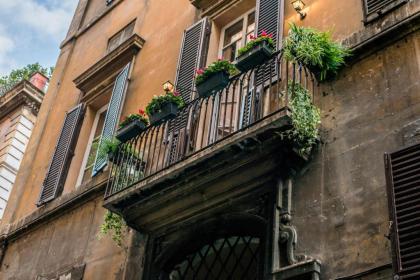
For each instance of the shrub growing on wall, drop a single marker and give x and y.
(316, 50)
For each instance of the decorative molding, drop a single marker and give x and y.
(24, 93)
(213, 8)
(90, 190)
(109, 64)
(288, 235)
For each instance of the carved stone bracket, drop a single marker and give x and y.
(285, 240)
(288, 236)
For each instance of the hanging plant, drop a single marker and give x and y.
(316, 50)
(306, 118)
(113, 224)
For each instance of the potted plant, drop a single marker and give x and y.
(132, 126)
(118, 153)
(110, 147)
(316, 50)
(164, 107)
(255, 52)
(213, 78)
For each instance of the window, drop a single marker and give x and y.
(402, 169)
(236, 35)
(121, 36)
(373, 9)
(90, 154)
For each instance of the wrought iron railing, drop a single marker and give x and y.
(248, 98)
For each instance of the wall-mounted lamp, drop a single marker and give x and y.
(298, 5)
(168, 86)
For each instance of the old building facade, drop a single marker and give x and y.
(19, 108)
(217, 193)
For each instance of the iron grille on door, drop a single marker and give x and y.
(236, 257)
(403, 181)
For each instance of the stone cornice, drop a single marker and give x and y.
(109, 64)
(60, 206)
(23, 93)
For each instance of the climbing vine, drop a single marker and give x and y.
(113, 224)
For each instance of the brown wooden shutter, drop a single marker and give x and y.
(403, 181)
(269, 17)
(192, 56)
(112, 117)
(57, 171)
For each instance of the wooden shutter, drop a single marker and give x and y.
(403, 181)
(112, 117)
(192, 56)
(57, 171)
(269, 17)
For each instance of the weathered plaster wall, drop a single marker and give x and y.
(68, 241)
(340, 203)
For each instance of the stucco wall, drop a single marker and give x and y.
(340, 202)
(340, 206)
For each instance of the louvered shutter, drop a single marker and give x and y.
(269, 17)
(375, 6)
(403, 181)
(192, 56)
(57, 171)
(112, 117)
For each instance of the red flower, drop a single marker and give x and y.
(252, 37)
(176, 93)
(264, 33)
(141, 112)
(200, 71)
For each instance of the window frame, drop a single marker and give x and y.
(89, 145)
(386, 8)
(243, 17)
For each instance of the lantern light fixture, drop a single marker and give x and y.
(168, 86)
(298, 5)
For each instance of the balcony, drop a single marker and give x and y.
(216, 149)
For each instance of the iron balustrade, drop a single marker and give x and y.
(248, 98)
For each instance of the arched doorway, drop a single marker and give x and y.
(234, 257)
(230, 247)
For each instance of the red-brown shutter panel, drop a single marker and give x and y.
(403, 181)
(57, 172)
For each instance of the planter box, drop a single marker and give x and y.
(214, 83)
(169, 111)
(256, 56)
(130, 131)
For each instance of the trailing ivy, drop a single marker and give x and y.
(113, 223)
(305, 119)
(316, 50)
